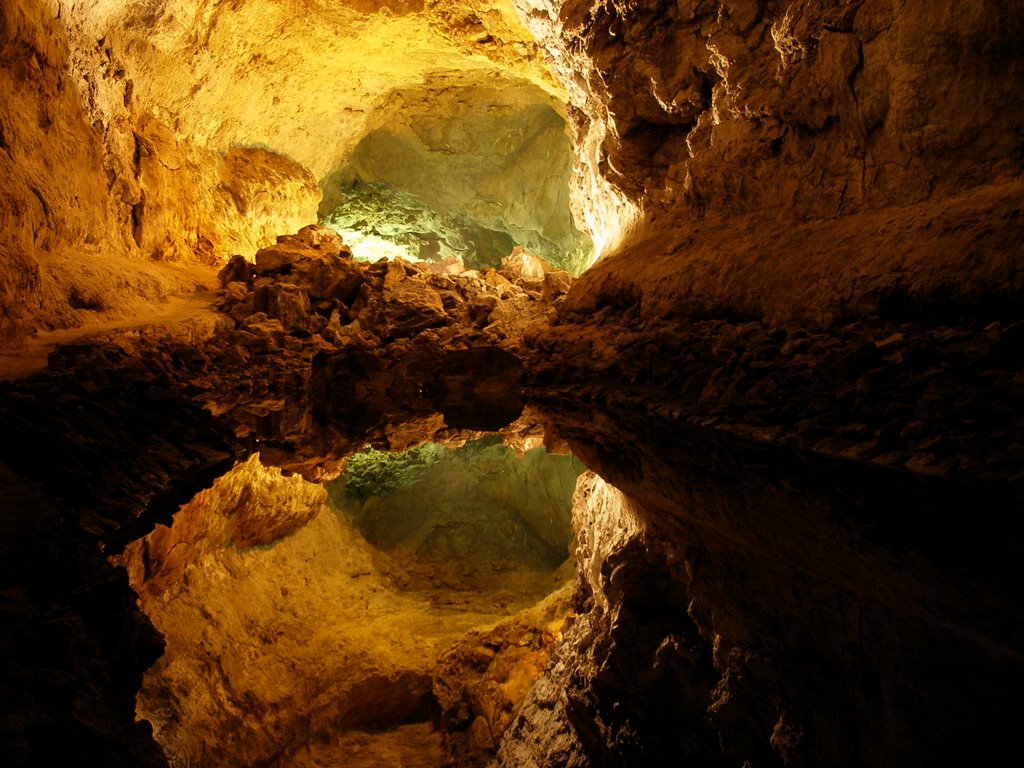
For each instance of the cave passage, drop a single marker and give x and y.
(459, 169)
(350, 625)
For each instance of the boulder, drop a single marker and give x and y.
(238, 269)
(408, 304)
(322, 239)
(284, 302)
(556, 284)
(523, 265)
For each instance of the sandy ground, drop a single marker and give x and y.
(186, 311)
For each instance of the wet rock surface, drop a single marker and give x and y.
(800, 603)
(114, 438)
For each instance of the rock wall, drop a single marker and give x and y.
(55, 205)
(778, 149)
(194, 132)
(100, 195)
(196, 203)
(490, 150)
(300, 77)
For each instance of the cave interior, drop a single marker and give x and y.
(511, 383)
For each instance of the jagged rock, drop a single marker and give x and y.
(237, 270)
(322, 239)
(522, 265)
(407, 304)
(278, 258)
(556, 284)
(330, 277)
(284, 302)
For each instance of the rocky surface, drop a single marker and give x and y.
(115, 438)
(811, 225)
(391, 333)
(103, 195)
(940, 398)
(140, 107)
(285, 640)
(91, 459)
(811, 162)
(813, 109)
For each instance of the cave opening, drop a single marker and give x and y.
(460, 171)
(397, 613)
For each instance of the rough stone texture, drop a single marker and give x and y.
(109, 443)
(55, 205)
(231, 72)
(492, 151)
(941, 398)
(97, 188)
(258, 665)
(547, 730)
(779, 151)
(310, 286)
(206, 205)
(483, 679)
(808, 589)
(814, 208)
(137, 106)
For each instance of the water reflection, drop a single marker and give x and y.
(738, 602)
(779, 606)
(768, 606)
(409, 604)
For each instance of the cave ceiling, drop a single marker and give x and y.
(302, 78)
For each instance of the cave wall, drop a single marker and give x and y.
(492, 151)
(194, 131)
(55, 203)
(101, 194)
(796, 159)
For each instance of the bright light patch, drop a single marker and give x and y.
(368, 247)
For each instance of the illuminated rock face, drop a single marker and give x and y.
(797, 160)
(195, 131)
(810, 215)
(288, 636)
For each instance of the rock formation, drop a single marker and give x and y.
(180, 158)
(794, 373)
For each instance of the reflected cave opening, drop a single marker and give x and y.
(479, 518)
(353, 620)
